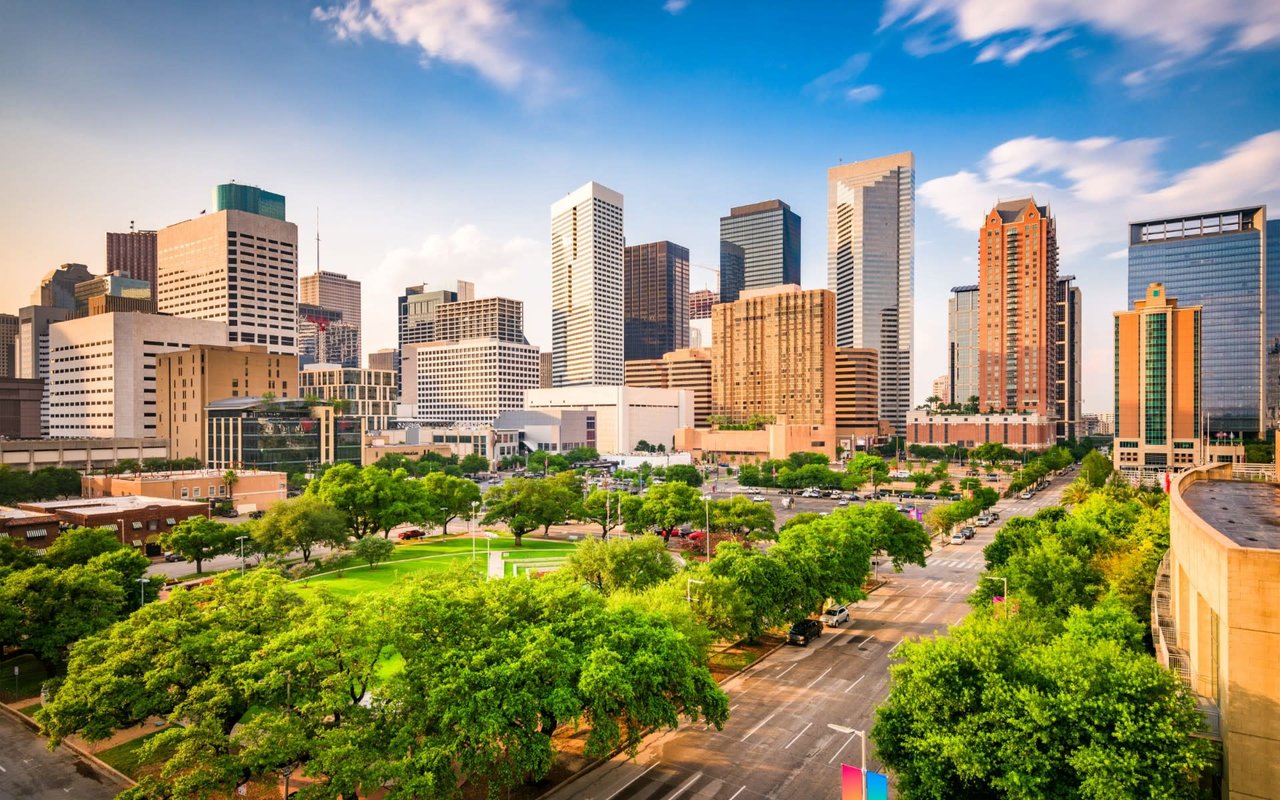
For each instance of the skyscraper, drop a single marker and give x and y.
(334, 291)
(962, 343)
(871, 268)
(1158, 348)
(586, 287)
(1018, 299)
(1218, 260)
(325, 337)
(57, 288)
(656, 300)
(133, 254)
(31, 351)
(234, 266)
(1067, 349)
(124, 294)
(769, 235)
(700, 303)
(8, 346)
(418, 305)
(733, 271)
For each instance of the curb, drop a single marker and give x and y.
(98, 764)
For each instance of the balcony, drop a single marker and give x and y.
(1164, 636)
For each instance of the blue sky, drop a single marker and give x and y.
(434, 134)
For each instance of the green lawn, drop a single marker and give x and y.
(31, 674)
(127, 757)
(435, 555)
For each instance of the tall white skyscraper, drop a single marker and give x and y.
(236, 265)
(871, 268)
(586, 287)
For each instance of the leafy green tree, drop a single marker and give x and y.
(621, 564)
(515, 503)
(473, 463)
(603, 508)
(371, 549)
(80, 545)
(742, 519)
(923, 480)
(198, 539)
(51, 609)
(903, 540)
(450, 496)
(127, 568)
(15, 556)
(1095, 469)
(300, 523)
(343, 486)
(582, 455)
(664, 507)
(684, 473)
(772, 593)
(864, 468)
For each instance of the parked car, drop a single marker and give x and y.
(955, 498)
(991, 476)
(969, 531)
(836, 615)
(757, 498)
(993, 514)
(172, 557)
(804, 631)
(412, 533)
(930, 496)
(1026, 495)
(842, 502)
(983, 522)
(957, 538)
(852, 496)
(811, 493)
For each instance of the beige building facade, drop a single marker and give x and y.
(367, 393)
(258, 488)
(773, 354)
(775, 441)
(1216, 617)
(188, 380)
(681, 369)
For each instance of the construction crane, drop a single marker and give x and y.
(716, 270)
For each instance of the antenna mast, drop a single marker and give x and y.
(317, 240)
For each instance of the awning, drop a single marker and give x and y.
(137, 526)
(37, 533)
(170, 521)
(137, 543)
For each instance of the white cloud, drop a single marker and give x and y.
(515, 267)
(865, 93)
(1011, 31)
(481, 34)
(675, 6)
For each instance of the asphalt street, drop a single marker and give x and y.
(28, 769)
(795, 715)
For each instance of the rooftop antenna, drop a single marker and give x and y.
(130, 226)
(317, 240)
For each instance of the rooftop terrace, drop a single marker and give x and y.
(1246, 512)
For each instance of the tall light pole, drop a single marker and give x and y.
(444, 526)
(474, 504)
(1004, 598)
(241, 539)
(863, 736)
(706, 505)
(688, 589)
(142, 591)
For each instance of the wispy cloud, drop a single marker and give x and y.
(1010, 32)
(481, 34)
(840, 82)
(675, 6)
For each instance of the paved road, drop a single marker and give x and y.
(791, 715)
(28, 770)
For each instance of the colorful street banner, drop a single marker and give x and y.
(851, 784)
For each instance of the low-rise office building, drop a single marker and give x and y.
(489, 441)
(366, 393)
(624, 415)
(28, 528)
(1015, 431)
(139, 521)
(291, 436)
(776, 440)
(260, 489)
(82, 454)
(1215, 617)
(680, 369)
(20, 407)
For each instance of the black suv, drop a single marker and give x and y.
(804, 631)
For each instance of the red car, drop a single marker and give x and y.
(697, 536)
(412, 533)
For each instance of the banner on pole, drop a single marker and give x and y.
(851, 784)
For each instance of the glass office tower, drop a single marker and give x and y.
(1218, 260)
(769, 235)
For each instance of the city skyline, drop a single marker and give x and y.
(1105, 146)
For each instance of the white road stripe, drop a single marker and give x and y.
(957, 622)
(855, 683)
(793, 741)
(684, 788)
(740, 791)
(759, 725)
(633, 780)
(2, 769)
(785, 671)
(820, 677)
(842, 747)
(895, 647)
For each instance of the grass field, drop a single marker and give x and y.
(127, 758)
(351, 576)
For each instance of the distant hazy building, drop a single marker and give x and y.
(237, 266)
(680, 369)
(963, 332)
(1158, 348)
(186, 381)
(700, 303)
(31, 351)
(325, 337)
(544, 369)
(733, 271)
(700, 333)
(1068, 349)
(871, 268)
(769, 235)
(656, 300)
(941, 388)
(335, 291)
(1219, 260)
(1018, 297)
(586, 287)
(20, 407)
(366, 393)
(773, 355)
(102, 371)
(1102, 424)
(384, 359)
(57, 288)
(8, 345)
(133, 254)
(118, 293)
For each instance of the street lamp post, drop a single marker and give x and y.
(142, 591)
(444, 526)
(863, 736)
(706, 505)
(1005, 596)
(688, 589)
(472, 525)
(241, 539)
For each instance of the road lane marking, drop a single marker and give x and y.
(953, 594)
(793, 741)
(740, 791)
(820, 677)
(684, 788)
(895, 647)
(855, 683)
(866, 642)
(2, 769)
(633, 780)
(759, 725)
(957, 622)
(842, 747)
(785, 671)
